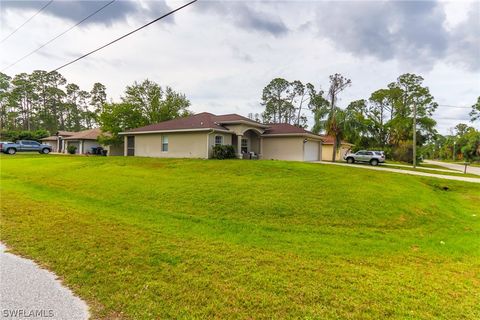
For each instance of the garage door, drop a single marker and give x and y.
(311, 151)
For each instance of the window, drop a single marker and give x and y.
(218, 140)
(244, 145)
(164, 143)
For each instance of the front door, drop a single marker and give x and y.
(244, 145)
(130, 145)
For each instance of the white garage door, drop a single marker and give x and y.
(310, 151)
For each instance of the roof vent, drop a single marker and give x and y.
(201, 123)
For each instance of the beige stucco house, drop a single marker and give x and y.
(85, 140)
(57, 141)
(195, 136)
(327, 149)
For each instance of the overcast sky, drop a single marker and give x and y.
(221, 54)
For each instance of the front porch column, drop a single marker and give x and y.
(239, 146)
(80, 151)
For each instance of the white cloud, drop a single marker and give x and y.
(222, 64)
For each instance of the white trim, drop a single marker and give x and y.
(293, 135)
(177, 130)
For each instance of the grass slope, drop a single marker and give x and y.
(146, 238)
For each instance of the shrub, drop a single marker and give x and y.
(71, 149)
(223, 152)
(13, 135)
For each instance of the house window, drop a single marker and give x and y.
(164, 143)
(244, 145)
(218, 140)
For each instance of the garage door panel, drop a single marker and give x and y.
(311, 151)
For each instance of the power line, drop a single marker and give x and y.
(60, 34)
(125, 35)
(41, 9)
(449, 106)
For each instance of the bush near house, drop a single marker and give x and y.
(71, 149)
(196, 239)
(222, 152)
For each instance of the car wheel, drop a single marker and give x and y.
(11, 151)
(374, 162)
(45, 151)
(350, 160)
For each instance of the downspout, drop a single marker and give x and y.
(208, 142)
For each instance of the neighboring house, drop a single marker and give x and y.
(195, 136)
(57, 141)
(327, 149)
(85, 140)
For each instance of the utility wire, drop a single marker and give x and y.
(59, 35)
(125, 35)
(13, 32)
(449, 106)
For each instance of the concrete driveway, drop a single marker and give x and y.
(29, 292)
(455, 166)
(413, 173)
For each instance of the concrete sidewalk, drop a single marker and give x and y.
(414, 173)
(455, 166)
(29, 292)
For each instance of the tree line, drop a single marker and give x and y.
(34, 105)
(383, 121)
(40, 103)
(42, 100)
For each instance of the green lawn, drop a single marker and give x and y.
(142, 238)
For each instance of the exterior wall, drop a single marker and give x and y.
(283, 148)
(115, 150)
(180, 145)
(52, 144)
(88, 145)
(327, 152)
(227, 140)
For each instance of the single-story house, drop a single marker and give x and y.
(195, 136)
(57, 141)
(327, 149)
(86, 140)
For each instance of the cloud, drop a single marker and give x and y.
(411, 31)
(465, 40)
(247, 16)
(75, 11)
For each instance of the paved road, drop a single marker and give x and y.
(414, 173)
(29, 292)
(455, 166)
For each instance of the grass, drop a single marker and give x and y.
(141, 238)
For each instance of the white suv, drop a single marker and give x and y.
(372, 157)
